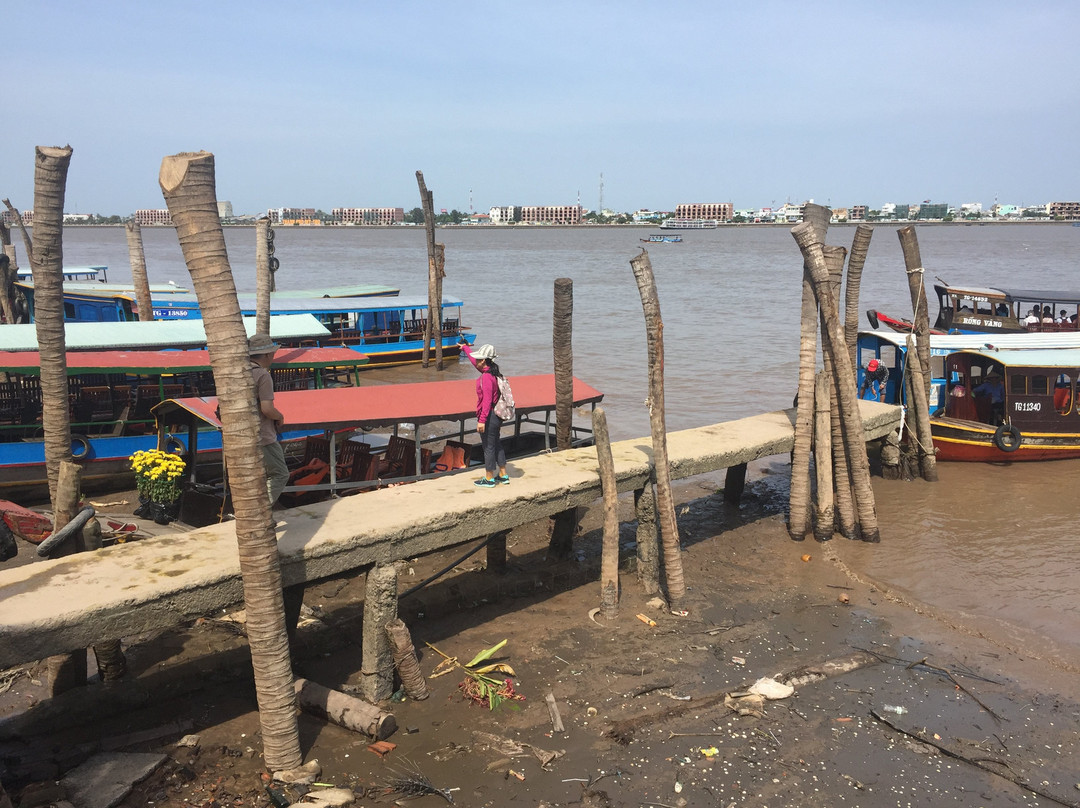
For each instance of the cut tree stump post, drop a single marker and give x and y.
(137, 256)
(825, 512)
(380, 608)
(565, 523)
(609, 563)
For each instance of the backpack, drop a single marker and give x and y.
(504, 407)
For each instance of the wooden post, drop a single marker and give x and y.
(408, 667)
(909, 243)
(844, 497)
(380, 607)
(665, 504)
(648, 545)
(435, 313)
(799, 492)
(562, 333)
(137, 257)
(428, 204)
(825, 512)
(734, 484)
(344, 710)
(927, 458)
(854, 434)
(7, 287)
(67, 671)
(609, 563)
(262, 275)
(860, 246)
(563, 524)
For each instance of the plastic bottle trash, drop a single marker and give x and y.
(891, 708)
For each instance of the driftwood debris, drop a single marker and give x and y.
(553, 713)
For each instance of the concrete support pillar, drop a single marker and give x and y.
(380, 607)
(734, 483)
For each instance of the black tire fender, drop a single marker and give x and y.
(274, 264)
(1007, 438)
(80, 447)
(174, 445)
(66, 532)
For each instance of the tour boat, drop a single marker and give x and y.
(989, 310)
(1038, 418)
(111, 394)
(389, 330)
(689, 224)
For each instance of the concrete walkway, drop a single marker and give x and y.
(56, 606)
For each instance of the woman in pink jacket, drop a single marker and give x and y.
(488, 424)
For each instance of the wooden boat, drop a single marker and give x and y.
(989, 310)
(111, 395)
(662, 239)
(1038, 420)
(116, 302)
(359, 428)
(897, 324)
(389, 330)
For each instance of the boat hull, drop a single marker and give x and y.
(974, 442)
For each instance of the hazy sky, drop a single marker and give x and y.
(339, 103)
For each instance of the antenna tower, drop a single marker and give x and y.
(601, 210)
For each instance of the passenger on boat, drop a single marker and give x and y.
(1063, 317)
(994, 389)
(1033, 318)
(261, 354)
(488, 424)
(874, 380)
(1002, 310)
(1047, 314)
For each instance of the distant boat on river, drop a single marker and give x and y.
(689, 224)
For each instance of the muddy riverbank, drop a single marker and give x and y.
(643, 706)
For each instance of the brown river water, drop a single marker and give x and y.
(995, 544)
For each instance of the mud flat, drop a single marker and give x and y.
(933, 715)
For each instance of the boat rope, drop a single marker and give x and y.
(918, 300)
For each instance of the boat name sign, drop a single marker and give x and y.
(981, 321)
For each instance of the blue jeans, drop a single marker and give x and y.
(494, 456)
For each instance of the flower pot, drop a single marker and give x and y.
(165, 512)
(144, 509)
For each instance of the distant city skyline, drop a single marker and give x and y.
(340, 104)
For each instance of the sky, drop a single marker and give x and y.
(338, 104)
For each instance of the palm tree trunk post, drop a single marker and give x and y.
(137, 256)
(648, 546)
(854, 434)
(435, 311)
(262, 275)
(562, 341)
(563, 524)
(7, 286)
(825, 512)
(188, 185)
(844, 497)
(609, 560)
(67, 671)
(428, 204)
(18, 300)
(47, 262)
(799, 492)
(860, 246)
(927, 457)
(909, 243)
(799, 523)
(380, 608)
(665, 504)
